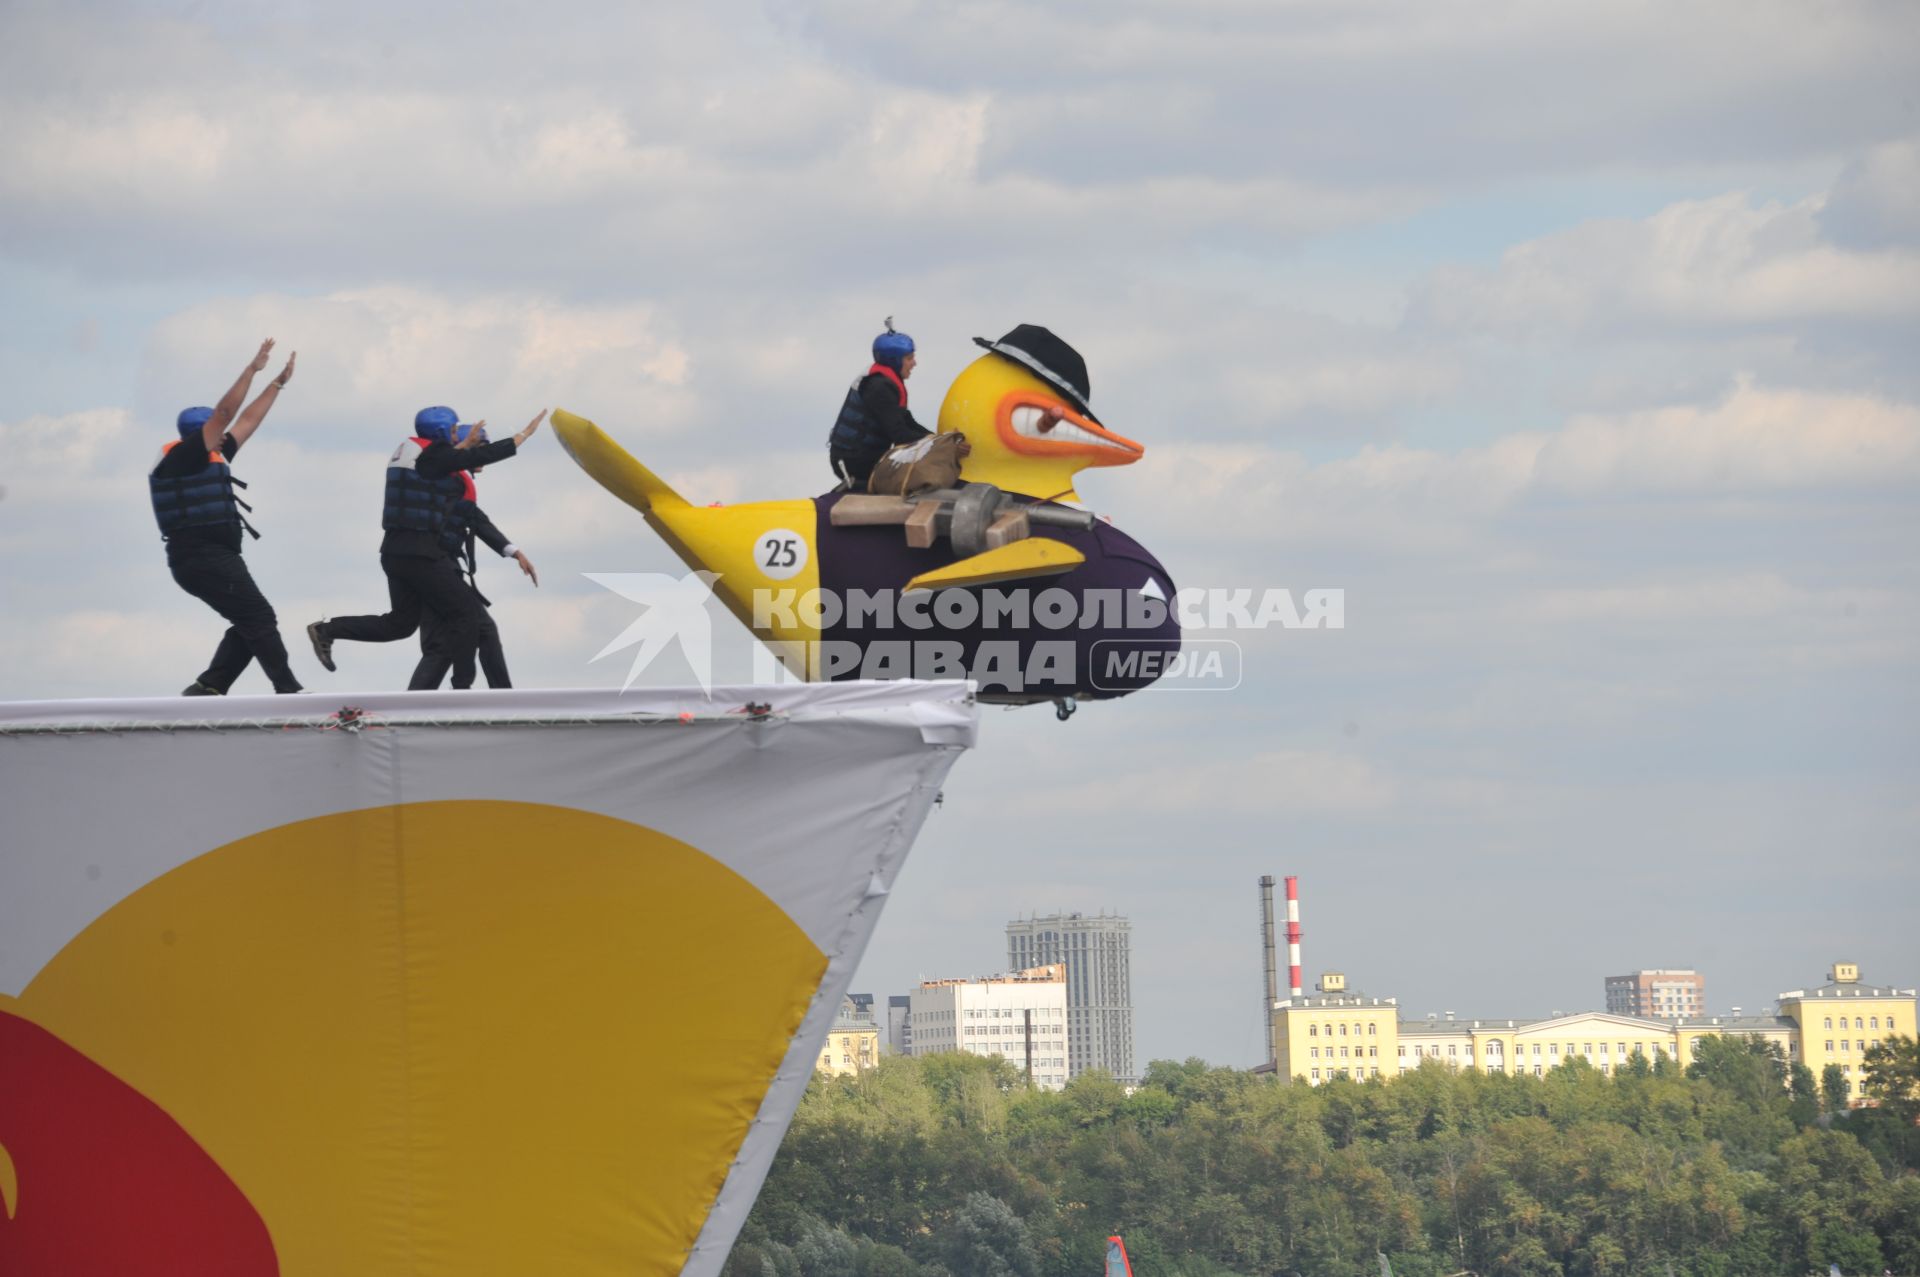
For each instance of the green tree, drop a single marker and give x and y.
(825, 1251)
(986, 1239)
(1833, 1088)
(1804, 1107)
(1892, 1079)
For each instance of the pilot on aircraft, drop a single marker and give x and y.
(874, 417)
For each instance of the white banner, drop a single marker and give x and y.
(504, 983)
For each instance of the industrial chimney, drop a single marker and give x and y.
(1293, 934)
(1273, 972)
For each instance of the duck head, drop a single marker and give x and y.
(1023, 408)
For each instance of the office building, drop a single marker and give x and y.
(1021, 1017)
(1096, 952)
(1660, 994)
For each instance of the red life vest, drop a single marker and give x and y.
(893, 377)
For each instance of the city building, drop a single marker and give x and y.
(1096, 953)
(1336, 1032)
(1021, 1017)
(1660, 994)
(1838, 1021)
(900, 1024)
(853, 1043)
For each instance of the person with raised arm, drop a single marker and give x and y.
(195, 501)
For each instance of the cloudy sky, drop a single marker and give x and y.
(1574, 342)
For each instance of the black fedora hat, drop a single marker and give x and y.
(1047, 357)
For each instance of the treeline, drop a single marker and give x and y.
(948, 1167)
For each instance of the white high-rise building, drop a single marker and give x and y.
(1095, 952)
(1021, 1017)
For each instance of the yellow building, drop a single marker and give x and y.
(1838, 1021)
(1337, 1033)
(853, 1044)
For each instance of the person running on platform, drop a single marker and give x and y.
(427, 478)
(467, 526)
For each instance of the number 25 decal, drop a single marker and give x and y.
(780, 553)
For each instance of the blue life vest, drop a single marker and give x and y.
(203, 499)
(854, 432)
(414, 502)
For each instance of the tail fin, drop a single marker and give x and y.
(613, 467)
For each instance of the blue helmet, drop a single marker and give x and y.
(192, 420)
(891, 348)
(435, 424)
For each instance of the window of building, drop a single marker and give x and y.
(1403, 1050)
(1373, 1052)
(1313, 1030)
(1314, 1052)
(1450, 1050)
(1316, 1075)
(1536, 1048)
(1845, 1044)
(1343, 1030)
(1873, 1022)
(1343, 1052)
(1857, 1024)
(1536, 1070)
(1553, 1048)
(1829, 1045)
(1829, 1023)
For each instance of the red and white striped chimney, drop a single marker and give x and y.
(1293, 934)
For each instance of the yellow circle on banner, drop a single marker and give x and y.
(465, 1037)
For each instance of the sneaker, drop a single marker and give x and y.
(201, 689)
(322, 645)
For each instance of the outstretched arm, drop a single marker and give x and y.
(216, 428)
(257, 410)
(467, 455)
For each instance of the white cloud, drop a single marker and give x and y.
(1427, 502)
(370, 357)
(1876, 201)
(1724, 262)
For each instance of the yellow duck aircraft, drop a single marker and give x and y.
(1023, 410)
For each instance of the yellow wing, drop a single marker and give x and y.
(613, 467)
(1035, 556)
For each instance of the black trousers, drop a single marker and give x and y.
(854, 468)
(219, 578)
(419, 590)
(493, 657)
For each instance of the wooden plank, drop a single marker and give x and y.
(1011, 526)
(920, 524)
(857, 510)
